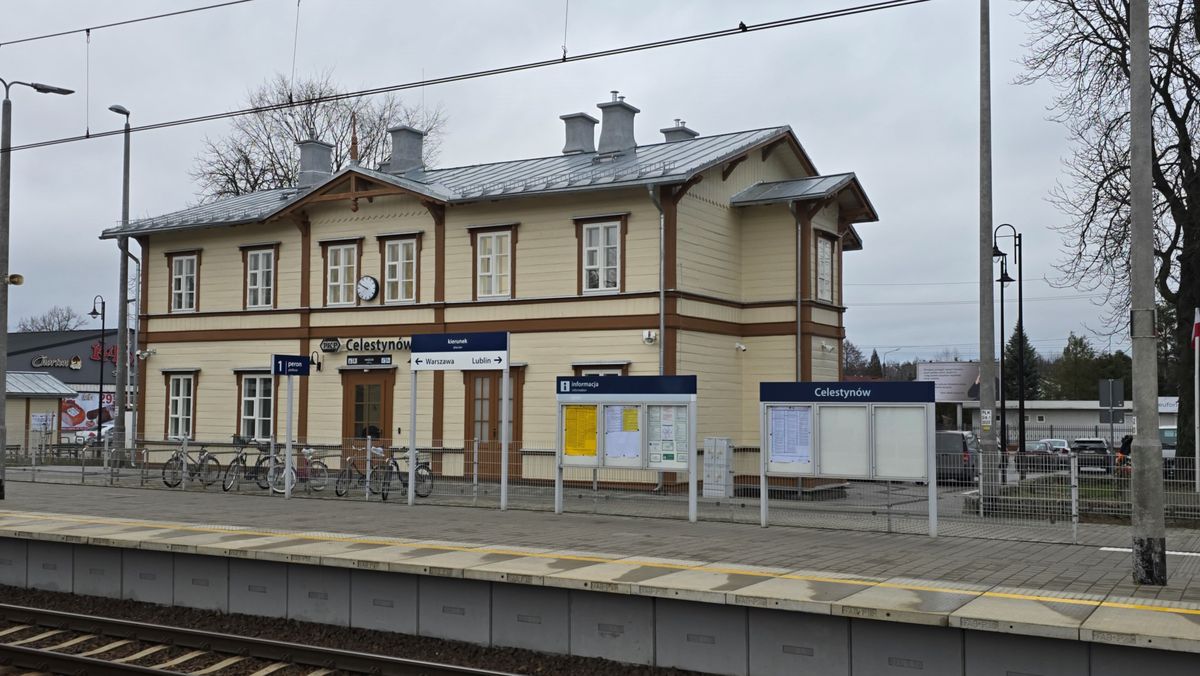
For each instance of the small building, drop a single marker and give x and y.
(1047, 418)
(74, 358)
(33, 408)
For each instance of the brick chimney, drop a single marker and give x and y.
(407, 148)
(616, 131)
(679, 132)
(581, 133)
(316, 163)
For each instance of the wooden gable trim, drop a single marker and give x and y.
(770, 147)
(727, 170)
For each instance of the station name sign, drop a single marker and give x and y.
(626, 385)
(334, 345)
(858, 392)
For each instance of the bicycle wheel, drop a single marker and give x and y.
(210, 470)
(342, 485)
(278, 475)
(260, 472)
(318, 475)
(424, 483)
(172, 471)
(385, 481)
(233, 474)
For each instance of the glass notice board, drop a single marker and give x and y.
(669, 436)
(622, 435)
(790, 441)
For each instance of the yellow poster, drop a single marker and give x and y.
(579, 435)
(629, 419)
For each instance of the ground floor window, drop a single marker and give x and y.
(181, 398)
(256, 407)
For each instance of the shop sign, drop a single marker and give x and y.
(43, 361)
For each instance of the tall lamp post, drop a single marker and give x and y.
(98, 311)
(1004, 280)
(1018, 250)
(122, 388)
(5, 185)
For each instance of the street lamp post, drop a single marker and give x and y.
(1004, 281)
(1018, 248)
(98, 311)
(122, 388)
(5, 185)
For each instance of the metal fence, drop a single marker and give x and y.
(1017, 496)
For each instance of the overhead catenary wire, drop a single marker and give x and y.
(124, 22)
(657, 44)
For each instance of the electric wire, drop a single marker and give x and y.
(125, 22)
(295, 45)
(657, 44)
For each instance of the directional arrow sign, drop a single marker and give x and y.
(459, 351)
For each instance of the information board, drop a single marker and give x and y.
(579, 433)
(789, 434)
(900, 442)
(669, 436)
(622, 436)
(844, 441)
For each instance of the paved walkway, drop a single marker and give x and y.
(1036, 566)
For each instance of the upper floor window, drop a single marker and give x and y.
(185, 272)
(825, 265)
(256, 407)
(260, 278)
(493, 261)
(341, 272)
(601, 256)
(181, 401)
(400, 271)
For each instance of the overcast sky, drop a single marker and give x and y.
(891, 95)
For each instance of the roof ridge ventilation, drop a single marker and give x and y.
(678, 132)
(616, 129)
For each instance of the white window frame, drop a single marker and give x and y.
(258, 422)
(600, 266)
(400, 254)
(260, 282)
(181, 403)
(825, 266)
(493, 259)
(341, 262)
(183, 298)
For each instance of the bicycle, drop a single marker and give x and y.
(239, 467)
(312, 472)
(423, 485)
(381, 476)
(205, 466)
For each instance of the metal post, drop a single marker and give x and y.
(412, 438)
(930, 470)
(987, 348)
(183, 445)
(5, 181)
(1074, 499)
(122, 388)
(475, 472)
(1021, 354)
(504, 435)
(764, 488)
(1149, 529)
(558, 461)
(367, 481)
(1003, 382)
(1196, 403)
(691, 441)
(289, 465)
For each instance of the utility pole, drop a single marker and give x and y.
(1149, 530)
(122, 389)
(987, 346)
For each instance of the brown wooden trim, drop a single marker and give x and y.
(171, 256)
(195, 374)
(474, 232)
(806, 360)
(357, 195)
(327, 193)
(358, 242)
(143, 333)
(730, 166)
(384, 240)
(246, 249)
(387, 379)
(837, 262)
(578, 369)
(438, 212)
(580, 224)
(237, 404)
(579, 257)
(302, 399)
(833, 260)
(770, 147)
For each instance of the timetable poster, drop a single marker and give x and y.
(791, 434)
(579, 438)
(622, 432)
(668, 432)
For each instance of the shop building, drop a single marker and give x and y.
(73, 359)
(719, 256)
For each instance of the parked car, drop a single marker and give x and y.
(1059, 446)
(1173, 470)
(1039, 457)
(957, 456)
(1094, 454)
(88, 438)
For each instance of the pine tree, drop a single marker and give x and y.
(1017, 346)
(875, 368)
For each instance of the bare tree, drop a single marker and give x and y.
(1082, 47)
(260, 151)
(55, 319)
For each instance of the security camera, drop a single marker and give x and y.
(649, 337)
(146, 354)
(740, 347)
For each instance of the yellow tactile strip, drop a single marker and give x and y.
(14, 530)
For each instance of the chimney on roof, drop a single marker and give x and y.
(581, 133)
(679, 132)
(616, 131)
(316, 162)
(407, 148)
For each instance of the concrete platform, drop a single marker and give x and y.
(650, 607)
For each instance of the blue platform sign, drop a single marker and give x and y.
(626, 385)
(855, 392)
(289, 365)
(460, 351)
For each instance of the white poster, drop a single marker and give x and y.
(622, 433)
(668, 433)
(81, 413)
(791, 434)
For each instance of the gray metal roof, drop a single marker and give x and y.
(813, 187)
(36, 385)
(646, 165)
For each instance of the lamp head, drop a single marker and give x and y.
(119, 109)
(50, 89)
(996, 252)
(1005, 279)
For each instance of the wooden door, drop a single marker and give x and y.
(483, 414)
(367, 407)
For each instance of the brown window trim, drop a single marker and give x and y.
(578, 369)
(325, 244)
(171, 256)
(246, 249)
(580, 222)
(167, 375)
(238, 375)
(833, 273)
(474, 232)
(417, 238)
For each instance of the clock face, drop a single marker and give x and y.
(367, 288)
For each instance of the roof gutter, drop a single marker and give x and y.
(662, 278)
(799, 301)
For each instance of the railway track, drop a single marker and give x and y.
(51, 641)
